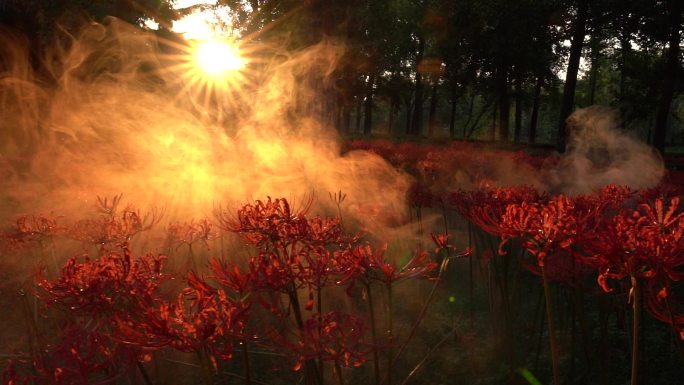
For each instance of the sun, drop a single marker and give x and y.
(214, 67)
(218, 58)
(215, 75)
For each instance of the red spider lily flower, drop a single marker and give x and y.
(542, 228)
(230, 276)
(87, 356)
(662, 235)
(664, 306)
(334, 336)
(363, 261)
(666, 190)
(486, 205)
(28, 230)
(271, 272)
(188, 233)
(113, 229)
(36, 227)
(104, 285)
(607, 201)
(441, 241)
(326, 231)
(267, 221)
(81, 355)
(202, 319)
(294, 251)
(643, 243)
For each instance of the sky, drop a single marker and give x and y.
(189, 3)
(195, 26)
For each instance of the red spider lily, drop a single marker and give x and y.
(486, 205)
(441, 241)
(113, 229)
(28, 230)
(664, 306)
(85, 356)
(284, 273)
(362, 261)
(104, 285)
(36, 227)
(642, 243)
(670, 187)
(80, 355)
(202, 320)
(230, 276)
(334, 336)
(190, 232)
(270, 221)
(542, 228)
(609, 200)
(326, 231)
(270, 272)
(294, 251)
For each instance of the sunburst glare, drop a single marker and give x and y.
(217, 58)
(212, 65)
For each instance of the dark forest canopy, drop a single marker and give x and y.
(492, 69)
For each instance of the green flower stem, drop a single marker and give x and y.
(552, 328)
(636, 292)
(374, 333)
(390, 337)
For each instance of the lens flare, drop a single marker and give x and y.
(214, 74)
(218, 58)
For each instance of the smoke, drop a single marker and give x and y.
(599, 153)
(112, 112)
(115, 117)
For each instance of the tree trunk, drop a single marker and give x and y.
(417, 126)
(479, 116)
(432, 119)
(568, 102)
(593, 74)
(390, 123)
(492, 134)
(518, 109)
(452, 119)
(407, 103)
(359, 105)
(625, 52)
(504, 101)
(535, 111)
(368, 108)
(346, 124)
(470, 116)
(675, 9)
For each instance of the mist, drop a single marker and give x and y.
(600, 153)
(115, 118)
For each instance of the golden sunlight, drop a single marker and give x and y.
(212, 66)
(218, 58)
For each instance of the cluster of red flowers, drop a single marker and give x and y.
(615, 233)
(435, 165)
(114, 313)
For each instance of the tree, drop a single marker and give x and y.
(39, 19)
(577, 42)
(669, 79)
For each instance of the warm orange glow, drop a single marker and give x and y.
(218, 58)
(214, 73)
